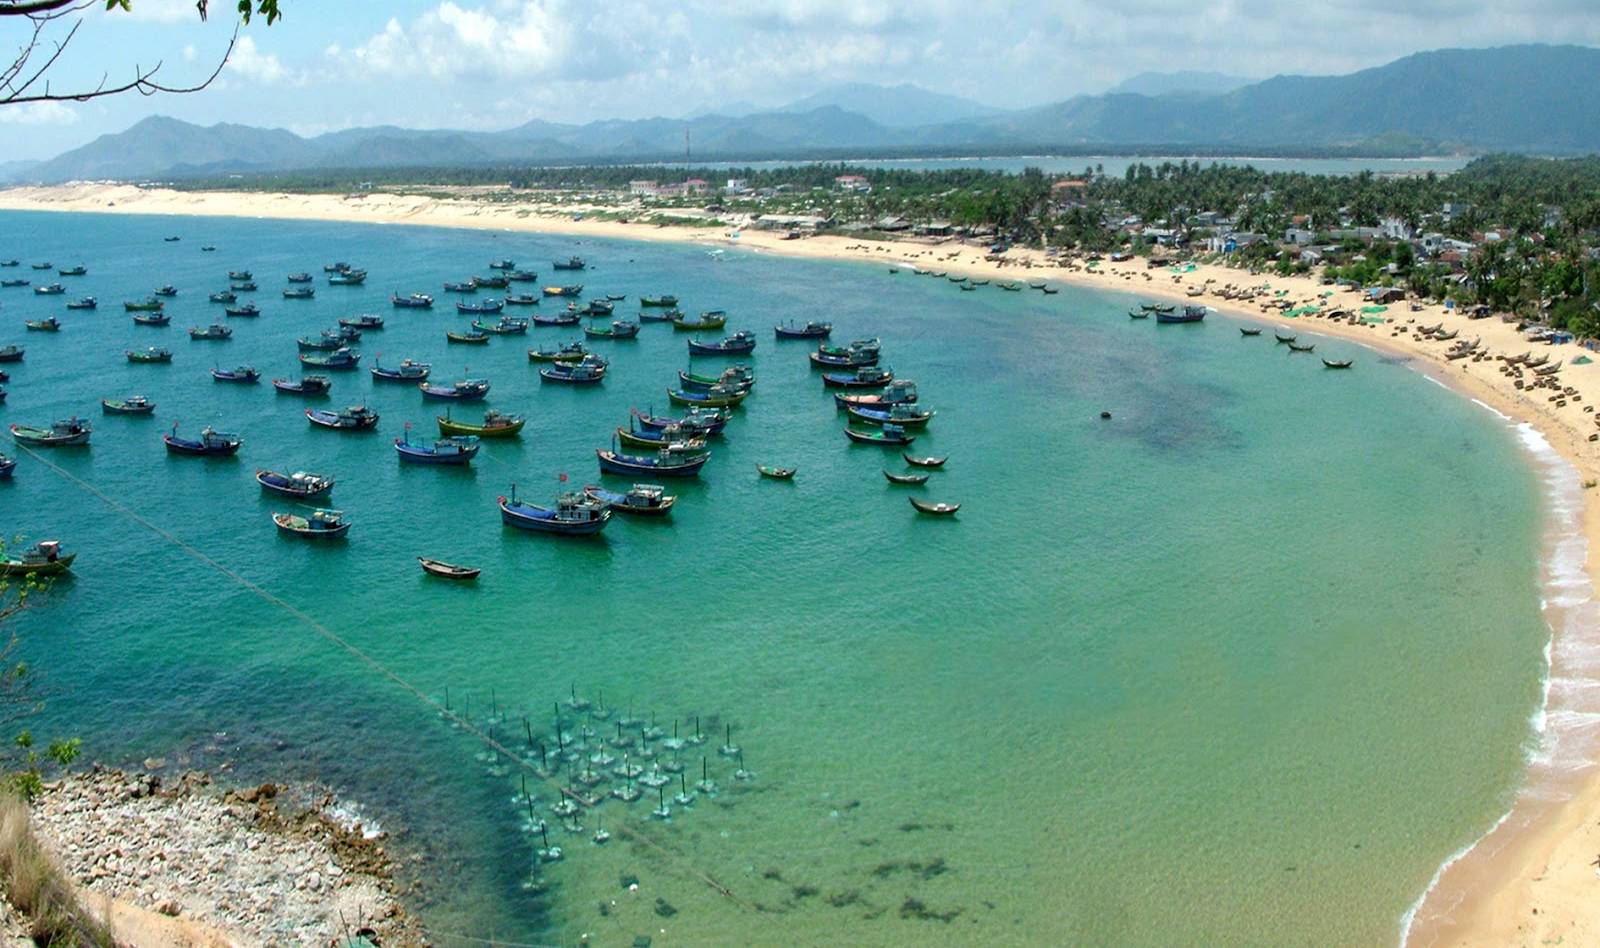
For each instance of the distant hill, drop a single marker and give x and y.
(1534, 99)
(1187, 82)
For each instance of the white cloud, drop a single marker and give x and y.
(38, 113)
(190, 53)
(160, 11)
(251, 63)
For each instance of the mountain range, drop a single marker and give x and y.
(1533, 99)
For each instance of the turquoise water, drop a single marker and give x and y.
(1241, 664)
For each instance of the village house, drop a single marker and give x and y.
(736, 186)
(852, 182)
(642, 188)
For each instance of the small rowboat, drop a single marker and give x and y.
(87, 302)
(573, 515)
(811, 330)
(60, 434)
(905, 478)
(739, 343)
(414, 301)
(887, 436)
(42, 559)
(151, 319)
(364, 321)
(469, 338)
(151, 354)
(715, 319)
(466, 390)
(1283, 338)
(307, 385)
(925, 462)
(1247, 331)
(454, 450)
(213, 331)
(299, 485)
(616, 297)
(560, 319)
(640, 499)
(1138, 314)
(1338, 363)
(661, 301)
(1296, 347)
(664, 464)
(132, 405)
(320, 525)
(495, 425)
(48, 324)
(567, 352)
(445, 570)
(356, 417)
(243, 373)
(210, 443)
(408, 371)
(937, 509)
(776, 473)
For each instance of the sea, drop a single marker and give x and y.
(1241, 663)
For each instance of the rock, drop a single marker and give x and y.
(154, 763)
(169, 908)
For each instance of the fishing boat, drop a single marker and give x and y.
(571, 263)
(523, 276)
(894, 478)
(665, 463)
(301, 277)
(663, 301)
(210, 443)
(207, 249)
(339, 267)
(503, 264)
(299, 485)
(640, 499)
(776, 473)
(319, 525)
(575, 289)
(132, 405)
(858, 353)
(558, 319)
(1189, 314)
(932, 507)
(48, 324)
(1297, 347)
(496, 424)
(149, 354)
(718, 396)
(619, 329)
(166, 289)
(11, 353)
(42, 559)
(1249, 331)
(406, 371)
(659, 316)
(655, 439)
(14, 282)
(76, 271)
(246, 309)
(241, 275)
(863, 377)
(1158, 307)
(1338, 363)
(566, 352)
(507, 326)
(223, 296)
(884, 435)
(414, 301)
(445, 570)
(715, 319)
(574, 514)
(326, 341)
(466, 390)
(925, 462)
(574, 373)
(356, 418)
(49, 289)
(740, 343)
(348, 278)
(616, 297)
(490, 282)
(472, 337)
(1283, 338)
(7, 465)
(697, 422)
(244, 373)
(10, 263)
(148, 305)
(599, 308)
(305, 385)
(151, 319)
(736, 377)
(463, 287)
(455, 449)
(811, 330)
(86, 302)
(521, 299)
(299, 292)
(248, 286)
(906, 416)
(213, 331)
(1138, 314)
(365, 321)
(337, 359)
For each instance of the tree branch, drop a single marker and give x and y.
(143, 81)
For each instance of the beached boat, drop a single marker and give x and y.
(894, 478)
(148, 305)
(619, 329)
(640, 499)
(739, 376)
(213, 331)
(301, 277)
(413, 301)
(566, 352)
(574, 373)
(926, 461)
(151, 319)
(496, 424)
(483, 308)
(718, 396)
(904, 415)
(714, 319)
(571, 263)
(77, 271)
(365, 321)
(664, 463)
(1338, 363)
(49, 289)
(48, 324)
(575, 289)
(454, 449)
(1189, 314)
(244, 373)
(465, 390)
(71, 432)
(149, 354)
(935, 508)
(337, 359)
(663, 301)
(348, 278)
(574, 514)
(507, 326)
(471, 337)
(41, 559)
(354, 418)
(776, 473)
(885, 435)
(223, 296)
(811, 330)
(863, 377)
(406, 371)
(318, 525)
(445, 570)
(132, 405)
(11, 353)
(305, 385)
(210, 443)
(740, 343)
(299, 485)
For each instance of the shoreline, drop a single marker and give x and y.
(1527, 876)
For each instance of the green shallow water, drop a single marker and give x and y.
(1242, 664)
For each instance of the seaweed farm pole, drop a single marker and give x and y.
(529, 728)
(447, 697)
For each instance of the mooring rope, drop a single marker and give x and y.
(377, 666)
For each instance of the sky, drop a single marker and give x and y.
(492, 64)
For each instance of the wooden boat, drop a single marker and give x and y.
(1248, 331)
(11, 353)
(937, 509)
(1338, 363)
(306, 385)
(599, 308)
(337, 359)
(886, 435)
(1446, 336)
(616, 297)
(48, 324)
(863, 377)
(10, 263)
(925, 462)
(776, 473)
(566, 352)
(339, 267)
(718, 396)
(484, 308)
(571, 263)
(132, 405)
(503, 264)
(697, 422)
(655, 439)
(739, 343)
(367, 321)
(574, 514)
(466, 390)
(166, 289)
(574, 290)
(1189, 314)
(325, 342)
(42, 559)
(149, 305)
(7, 465)
(521, 299)
(299, 485)
(407, 371)
(1157, 307)
(574, 373)
(471, 337)
(463, 287)
(1297, 347)
(664, 463)
(559, 319)
(245, 287)
(523, 276)
(1138, 314)
(619, 329)
(413, 301)
(496, 424)
(301, 277)
(319, 525)
(49, 289)
(894, 478)
(663, 301)
(223, 296)
(659, 316)
(243, 373)
(354, 418)
(452, 450)
(76, 271)
(858, 353)
(348, 278)
(210, 443)
(647, 500)
(86, 302)
(811, 330)
(735, 377)
(14, 282)
(507, 326)
(445, 570)
(61, 434)
(1284, 338)
(968, 288)
(213, 331)
(208, 249)
(241, 275)
(150, 354)
(906, 416)
(714, 319)
(490, 282)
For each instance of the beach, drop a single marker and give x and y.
(1527, 881)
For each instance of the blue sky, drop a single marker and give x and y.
(486, 64)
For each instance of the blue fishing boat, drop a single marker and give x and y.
(490, 282)
(619, 329)
(504, 263)
(210, 443)
(14, 282)
(698, 422)
(151, 319)
(241, 275)
(739, 343)
(301, 277)
(507, 326)
(904, 415)
(898, 392)
(83, 302)
(466, 287)
(363, 321)
(407, 371)
(319, 525)
(574, 373)
(863, 377)
(452, 450)
(213, 331)
(299, 292)
(299, 485)
(466, 390)
(414, 301)
(811, 330)
(327, 341)
(558, 319)
(11, 353)
(49, 289)
(1189, 314)
(571, 263)
(664, 463)
(858, 353)
(660, 316)
(247, 286)
(167, 290)
(348, 278)
(640, 499)
(243, 373)
(76, 271)
(223, 296)
(574, 514)
(338, 359)
(522, 276)
(246, 309)
(354, 418)
(305, 385)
